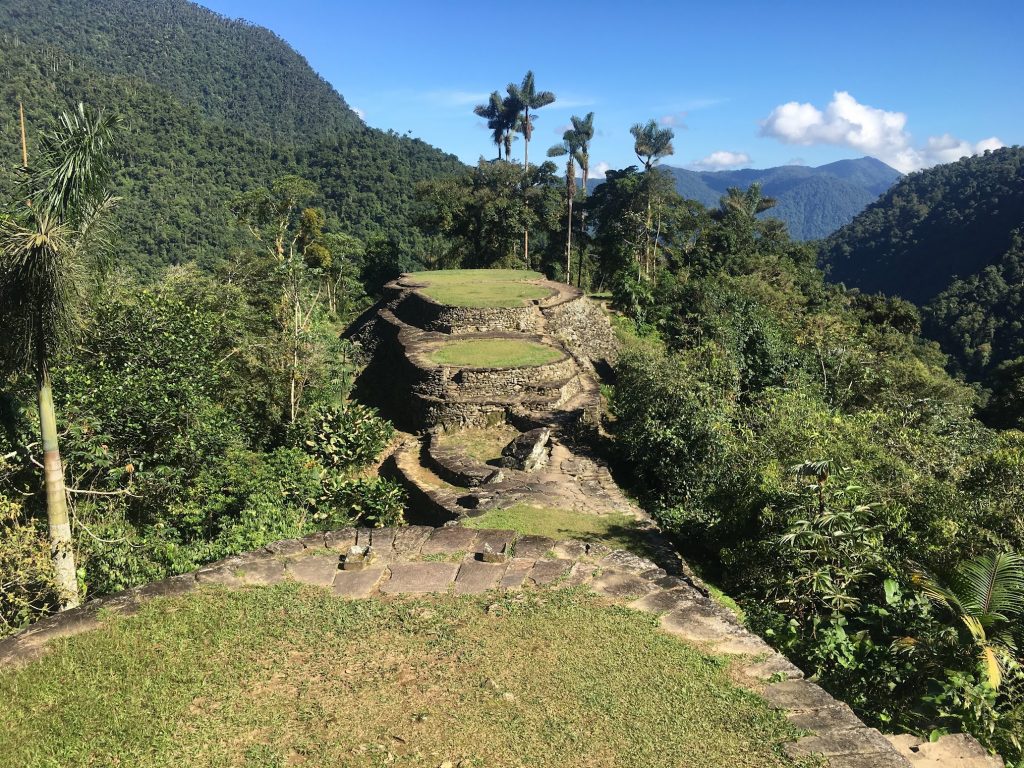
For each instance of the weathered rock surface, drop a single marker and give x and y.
(528, 451)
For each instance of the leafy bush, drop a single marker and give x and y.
(27, 588)
(346, 436)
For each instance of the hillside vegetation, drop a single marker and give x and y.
(949, 221)
(212, 108)
(813, 202)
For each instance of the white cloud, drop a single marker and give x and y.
(359, 113)
(845, 122)
(723, 159)
(600, 170)
(674, 120)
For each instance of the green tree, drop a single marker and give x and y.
(46, 245)
(651, 144)
(521, 99)
(986, 596)
(570, 147)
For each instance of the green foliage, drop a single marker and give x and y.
(371, 501)
(752, 367)
(27, 587)
(344, 437)
(953, 219)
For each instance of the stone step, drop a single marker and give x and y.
(955, 750)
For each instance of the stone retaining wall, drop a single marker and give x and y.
(455, 565)
(416, 309)
(584, 329)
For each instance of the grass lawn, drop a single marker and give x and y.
(482, 444)
(482, 287)
(494, 353)
(291, 675)
(617, 531)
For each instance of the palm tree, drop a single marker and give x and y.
(521, 99)
(584, 130)
(651, 143)
(745, 203)
(45, 246)
(987, 596)
(570, 147)
(495, 113)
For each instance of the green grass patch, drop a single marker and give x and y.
(292, 675)
(617, 531)
(494, 353)
(481, 444)
(482, 287)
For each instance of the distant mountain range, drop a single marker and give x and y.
(814, 202)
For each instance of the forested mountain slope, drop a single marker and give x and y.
(949, 221)
(187, 151)
(813, 202)
(233, 70)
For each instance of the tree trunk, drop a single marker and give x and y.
(526, 179)
(61, 548)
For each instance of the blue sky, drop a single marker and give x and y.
(743, 84)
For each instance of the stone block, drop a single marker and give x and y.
(409, 539)
(532, 547)
(318, 570)
(775, 665)
(580, 573)
(314, 541)
(219, 573)
(286, 547)
(341, 539)
(797, 695)
(622, 585)
(851, 741)
(665, 600)
(546, 571)
(266, 572)
(475, 577)
(420, 578)
(170, 587)
(627, 561)
(516, 571)
(570, 549)
(877, 760)
(449, 540)
(833, 718)
(357, 584)
(498, 540)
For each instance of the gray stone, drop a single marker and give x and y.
(475, 577)
(665, 600)
(622, 585)
(419, 578)
(580, 573)
(515, 573)
(497, 476)
(449, 540)
(627, 561)
(286, 547)
(875, 760)
(497, 540)
(357, 584)
(547, 571)
(774, 666)
(318, 570)
(409, 539)
(528, 451)
(797, 695)
(570, 549)
(532, 547)
(381, 539)
(314, 541)
(219, 573)
(833, 718)
(341, 539)
(265, 572)
(170, 587)
(863, 741)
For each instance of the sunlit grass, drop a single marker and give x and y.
(494, 353)
(288, 675)
(482, 287)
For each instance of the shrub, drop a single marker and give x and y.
(27, 589)
(344, 437)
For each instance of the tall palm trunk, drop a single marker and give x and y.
(570, 193)
(526, 170)
(56, 497)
